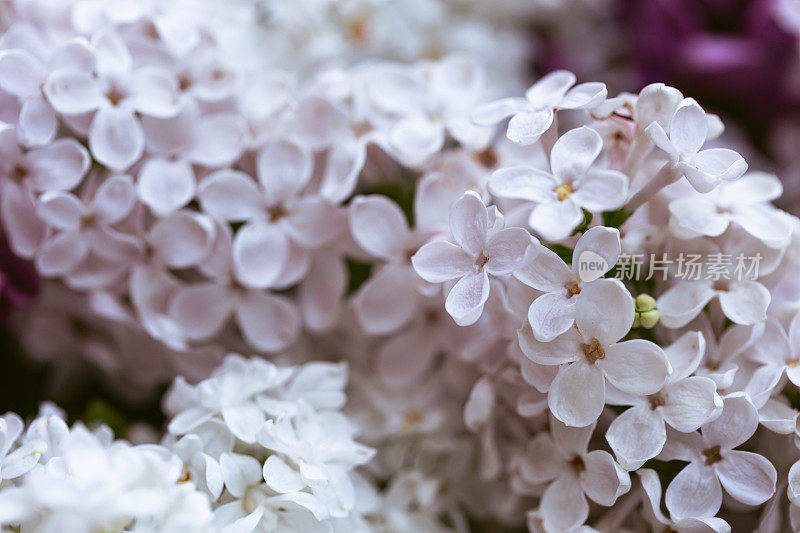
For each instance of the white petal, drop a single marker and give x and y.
(636, 366)
(694, 492)
(165, 186)
(636, 435)
(561, 349)
(25, 230)
(591, 311)
(764, 223)
(574, 152)
(182, 239)
(60, 210)
(506, 250)
(544, 270)
(652, 489)
(154, 92)
(111, 53)
(745, 302)
(281, 477)
(58, 166)
(465, 300)
(116, 138)
(230, 195)
(736, 424)
(269, 323)
(688, 129)
(342, 168)
(584, 96)
(480, 404)
(284, 168)
(114, 199)
(602, 190)
(405, 357)
(550, 315)
(73, 92)
(603, 480)
(577, 394)
(526, 127)
(315, 222)
(494, 112)
(219, 140)
(469, 223)
(21, 73)
(259, 254)
(320, 122)
(525, 183)
(684, 301)
(386, 301)
(777, 416)
(563, 506)
(548, 91)
(378, 225)
(699, 216)
(604, 243)
(201, 310)
(572, 440)
(705, 169)
(793, 489)
(322, 291)
(748, 477)
(239, 472)
(542, 460)
(416, 139)
(37, 123)
(61, 254)
(691, 402)
(556, 220)
(440, 261)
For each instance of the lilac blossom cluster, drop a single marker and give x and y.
(426, 269)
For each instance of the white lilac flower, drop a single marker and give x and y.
(553, 313)
(696, 491)
(778, 353)
(591, 354)
(561, 458)
(571, 185)
(481, 248)
(534, 114)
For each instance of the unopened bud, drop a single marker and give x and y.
(646, 314)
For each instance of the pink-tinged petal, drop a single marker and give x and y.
(219, 140)
(404, 358)
(26, 232)
(591, 312)
(284, 167)
(73, 92)
(465, 301)
(201, 310)
(343, 166)
(604, 244)
(387, 300)
(745, 302)
(37, 123)
(690, 403)
(506, 250)
(322, 291)
(574, 153)
(571, 440)
(116, 138)
(165, 186)
(526, 127)
(550, 315)
(684, 301)
(441, 261)
(550, 89)
(259, 254)
(154, 92)
(688, 129)
(114, 199)
(480, 404)
(183, 239)
(542, 461)
(60, 210)
(268, 323)
(736, 424)
(497, 111)
(525, 183)
(230, 195)
(636, 435)
(114, 246)
(636, 366)
(562, 349)
(556, 220)
(544, 270)
(748, 477)
(602, 190)
(21, 74)
(61, 254)
(563, 506)
(584, 96)
(378, 225)
(112, 57)
(577, 394)
(315, 222)
(695, 491)
(58, 166)
(320, 122)
(603, 480)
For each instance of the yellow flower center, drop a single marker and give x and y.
(563, 191)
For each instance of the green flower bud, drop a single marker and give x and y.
(646, 315)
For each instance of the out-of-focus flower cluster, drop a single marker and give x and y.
(555, 310)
